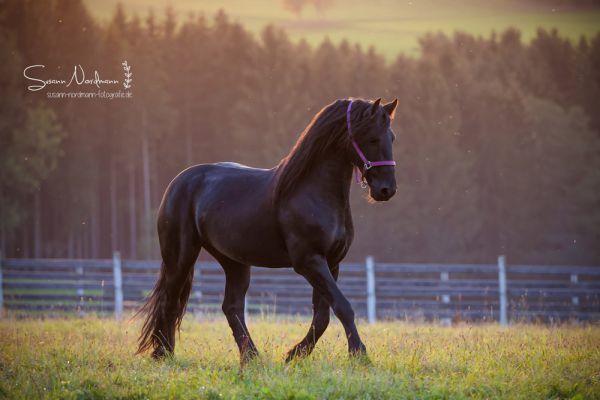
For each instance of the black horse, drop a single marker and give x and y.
(295, 214)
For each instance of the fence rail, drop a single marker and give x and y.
(445, 292)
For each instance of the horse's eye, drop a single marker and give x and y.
(374, 141)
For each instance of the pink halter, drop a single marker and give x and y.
(367, 164)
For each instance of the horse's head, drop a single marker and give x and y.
(370, 127)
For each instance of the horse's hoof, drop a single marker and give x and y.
(363, 359)
(291, 355)
(159, 354)
(298, 351)
(360, 355)
(247, 357)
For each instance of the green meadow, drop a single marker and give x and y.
(94, 358)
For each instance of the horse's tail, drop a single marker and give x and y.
(163, 313)
(180, 246)
(152, 310)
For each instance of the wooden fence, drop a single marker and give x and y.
(444, 292)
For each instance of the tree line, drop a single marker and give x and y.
(498, 146)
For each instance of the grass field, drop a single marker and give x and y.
(93, 358)
(392, 26)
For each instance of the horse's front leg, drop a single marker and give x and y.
(318, 325)
(316, 271)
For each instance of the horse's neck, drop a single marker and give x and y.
(333, 176)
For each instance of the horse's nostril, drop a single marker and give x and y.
(387, 192)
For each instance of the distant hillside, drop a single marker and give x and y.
(391, 26)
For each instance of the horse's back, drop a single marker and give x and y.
(203, 176)
(207, 184)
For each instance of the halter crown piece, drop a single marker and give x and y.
(360, 175)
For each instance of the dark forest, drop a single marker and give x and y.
(498, 140)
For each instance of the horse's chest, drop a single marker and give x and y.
(341, 239)
(313, 225)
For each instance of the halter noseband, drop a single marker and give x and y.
(367, 164)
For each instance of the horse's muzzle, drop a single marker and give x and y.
(383, 193)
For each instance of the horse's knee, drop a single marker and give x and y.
(231, 310)
(321, 321)
(228, 309)
(345, 313)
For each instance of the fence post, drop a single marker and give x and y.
(118, 285)
(371, 300)
(574, 281)
(445, 277)
(502, 290)
(1, 291)
(80, 291)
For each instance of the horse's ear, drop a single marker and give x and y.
(375, 106)
(390, 108)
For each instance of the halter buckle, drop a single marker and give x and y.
(368, 165)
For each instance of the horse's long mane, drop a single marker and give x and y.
(326, 131)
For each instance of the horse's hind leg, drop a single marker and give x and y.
(318, 326)
(180, 246)
(237, 280)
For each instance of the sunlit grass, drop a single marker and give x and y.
(93, 358)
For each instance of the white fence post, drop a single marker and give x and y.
(371, 300)
(574, 281)
(445, 277)
(502, 290)
(80, 291)
(118, 285)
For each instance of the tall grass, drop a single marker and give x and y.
(94, 358)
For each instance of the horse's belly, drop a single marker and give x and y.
(252, 248)
(247, 242)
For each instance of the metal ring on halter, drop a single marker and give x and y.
(368, 165)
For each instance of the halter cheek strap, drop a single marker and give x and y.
(360, 175)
